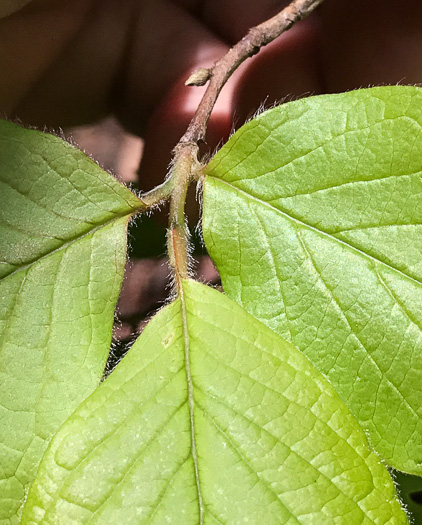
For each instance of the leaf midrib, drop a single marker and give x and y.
(191, 402)
(317, 230)
(69, 242)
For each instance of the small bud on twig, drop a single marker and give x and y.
(199, 77)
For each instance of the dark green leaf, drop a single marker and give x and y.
(62, 257)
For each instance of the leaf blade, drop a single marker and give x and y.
(273, 439)
(62, 261)
(308, 191)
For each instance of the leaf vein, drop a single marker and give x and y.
(344, 316)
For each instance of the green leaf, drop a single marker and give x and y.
(211, 418)
(313, 216)
(62, 257)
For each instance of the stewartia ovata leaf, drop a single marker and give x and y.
(211, 418)
(313, 216)
(62, 257)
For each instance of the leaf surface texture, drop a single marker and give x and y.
(313, 216)
(211, 418)
(62, 257)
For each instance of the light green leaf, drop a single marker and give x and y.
(62, 257)
(313, 216)
(211, 418)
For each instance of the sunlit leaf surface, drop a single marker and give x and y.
(211, 418)
(313, 216)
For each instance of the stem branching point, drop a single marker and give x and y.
(185, 155)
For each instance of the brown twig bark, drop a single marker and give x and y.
(256, 38)
(185, 159)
